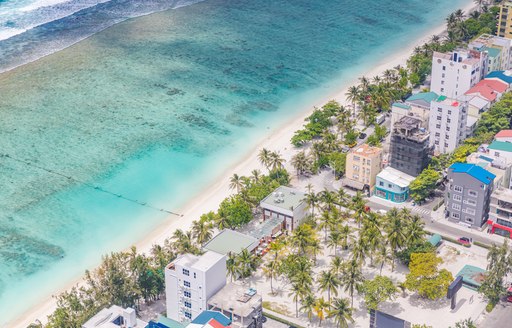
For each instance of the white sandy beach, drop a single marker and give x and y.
(210, 198)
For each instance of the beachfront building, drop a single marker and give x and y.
(468, 194)
(498, 50)
(504, 136)
(115, 316)
(416, 105)
(190, 281)
(447, 124)
(242, 304)
(362, 166)
(505, 20)
(500, 213)
(287, 204)
(456, 72)
(409, 149)
(393, 185)
(231, 242)
(490, 90)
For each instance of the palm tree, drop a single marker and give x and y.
(328, 281)
(302, 238)
(342, 197)
(336, 265)
(264, 157)
(231, 266)
(183, 242)
(321, 307)
(311, 200)
(346, 236)
(276, 161)
(328, 198)
(235, 182)
(298, 292)
(326, 221)
(301, 163)
(335, 240)
(202, 231)
(415, 232)
(271, 271)
(341, 312)
(308, 305)
(384, 255)
(360, 250)
(351, 278)
(255, 175)
(358, 205)
(246, 263)
(353, 95)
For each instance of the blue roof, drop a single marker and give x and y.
(500, 75)
(401, 105)
(475, 171)
(205, 316)
(425, 96)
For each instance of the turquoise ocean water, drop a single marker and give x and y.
(154, 109)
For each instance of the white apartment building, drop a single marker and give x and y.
(455, 73)
(499, 50)
(190, 281)
(115, 316)
(447, 124)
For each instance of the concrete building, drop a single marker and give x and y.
(393, 185)
(190, 281)
(115, 317)
(477, 105)
(501, 149)
(362, 166)
(498, 50)
(409, 149)
(286, 203)
(447, 124)
(468, 195)
(243, 305)
(500, 213)
(418, 105)
(490, 90)
(505, 20)
(504, 136)
(456, 72)
(497, 166)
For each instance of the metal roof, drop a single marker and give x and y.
(230, 241)
(473, 170)
(505, 76)
(501, 145)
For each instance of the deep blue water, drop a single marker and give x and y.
(154, 109)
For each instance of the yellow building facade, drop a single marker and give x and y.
(505, 20)
(362, 166)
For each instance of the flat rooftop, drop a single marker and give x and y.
(113, 317)
(258, 229)
(230, 241)
(503, 194)
(285, 198)
(411, 127)
(395, 176)
(236, 299)
(202, 263)
(367, 150)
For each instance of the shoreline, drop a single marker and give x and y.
(210, 197)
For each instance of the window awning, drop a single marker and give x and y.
(352, 183)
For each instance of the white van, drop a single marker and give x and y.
(380, 119)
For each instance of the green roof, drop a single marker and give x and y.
(501, 145)
(493, 52)
(401, 105)
(230, 241)
(441, 98)
(169, 322)
(426, 96)
(472, 276)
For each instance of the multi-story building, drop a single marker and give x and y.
(500, 213)
(286, 203)
(243, 305)
(190, 281)
(505, 20)
(115, 316)
(409, 149)
(501, 149)
(362, 166)
(504, 136)
(393, 185)
(497, 166)
(417, 105)
(456, 72)
(491, 90)
(468, 194)
(447, 124)
(498, 50)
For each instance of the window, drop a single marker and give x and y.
(457, 198)
(447, 137)
(195, 275)
(472, 193)
(439, 110)
(357, 158)
(437, 134)
(444, 68)
(448, 120)
(437, 142)
(442, 89)
(188, 304)
(186, 283)
(468, 219)
(442, 75)
(186, 272)
(438, 118)
(187, 294)
(456, 207)
(445, 144)
(381, 183)
(438, 126)
(455, 215)
(470, 211)
(369, 162)
(355, 167)
(390, 185)
(471, 202)
(449, 112)
(442, 82)
(188, 315)
(457, 188)
(447, 128)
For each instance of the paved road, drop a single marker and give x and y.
(438, 226)
(501, 316)
(274, 324)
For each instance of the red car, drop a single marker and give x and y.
(509, 294)
(464, 241)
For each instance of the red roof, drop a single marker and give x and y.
(504, 134)
(488, 89)
(215, 324)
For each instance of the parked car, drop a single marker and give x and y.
(345, 149)
(464, 241)
(509, 294)
(380, 119)
(362, 135)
